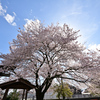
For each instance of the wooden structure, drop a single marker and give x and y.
(88, 98)
(17, 84)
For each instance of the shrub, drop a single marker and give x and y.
(13, 95)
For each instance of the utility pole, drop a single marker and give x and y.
(62, 88)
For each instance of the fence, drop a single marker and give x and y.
(88, 98)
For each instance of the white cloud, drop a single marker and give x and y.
(14, 24)
(10, 19)
(2, 11)
(31, 12)
(30, 21)
(75, 13)
(14, 13)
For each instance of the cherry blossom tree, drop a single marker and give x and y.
(93, 71)
(42, 53)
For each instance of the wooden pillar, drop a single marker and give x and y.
(23, 94)
(5, 95)
(26, 94)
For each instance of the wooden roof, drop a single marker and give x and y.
(17, 84)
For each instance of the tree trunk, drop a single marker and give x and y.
(39, 95)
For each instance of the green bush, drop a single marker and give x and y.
(13, 95)
(62, 90)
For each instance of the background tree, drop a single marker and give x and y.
(92, 71)
(42, 53)
(62, 90)
(13, 95)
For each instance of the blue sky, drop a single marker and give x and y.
(83, 15)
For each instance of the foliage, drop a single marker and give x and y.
(62, 90)
(13, 95)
